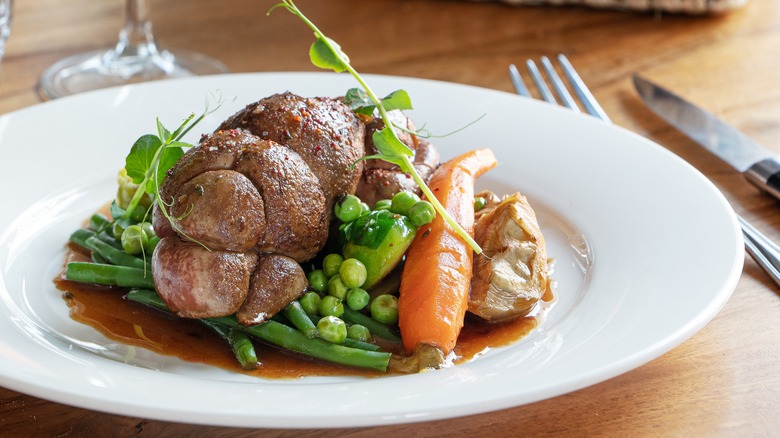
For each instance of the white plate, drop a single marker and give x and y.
(647, 252)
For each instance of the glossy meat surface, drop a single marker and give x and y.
(197, 283)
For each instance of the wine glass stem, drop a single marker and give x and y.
(135, 38)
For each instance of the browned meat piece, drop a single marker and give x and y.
(197, 283)
(324, 131)
(511, 275)
(277, 280)
(236, 191)
(221, 209)
(382, 180)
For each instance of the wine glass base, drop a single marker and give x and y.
(103, 68)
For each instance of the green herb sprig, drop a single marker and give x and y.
(151, 156)
(327, 54)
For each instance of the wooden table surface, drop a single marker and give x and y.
(724, 381)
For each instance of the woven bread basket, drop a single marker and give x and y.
(672, 6)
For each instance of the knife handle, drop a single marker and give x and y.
(765, 175)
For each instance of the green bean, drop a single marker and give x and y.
(97, 258)
(109, 239)
(377, 328)
(80, 236)
(98, 222)
(116, 256)
(239, 342)
(289, 338)
(295, 313)
(355, 343)
(109, 275)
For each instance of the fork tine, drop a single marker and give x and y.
(517, 81)
(558, 86)
(582, 91)
(540, 84)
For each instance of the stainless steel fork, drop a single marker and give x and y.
(763, 250)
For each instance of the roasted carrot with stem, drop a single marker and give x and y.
(435, 282)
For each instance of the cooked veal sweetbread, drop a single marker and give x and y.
(324, 131)
(381, 179)
(238, 192)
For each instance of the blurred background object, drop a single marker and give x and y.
(673, 6)
(135, 58)
(5, 24)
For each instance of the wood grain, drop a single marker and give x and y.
(724, 381)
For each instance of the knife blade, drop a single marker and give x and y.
(759, 165)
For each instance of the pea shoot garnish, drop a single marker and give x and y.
(325, 53)
(151, 156)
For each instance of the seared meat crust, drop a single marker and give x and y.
(324, 131)
(274, 204)
(382, 180)
(276, 281)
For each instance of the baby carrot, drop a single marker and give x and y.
(435, 282)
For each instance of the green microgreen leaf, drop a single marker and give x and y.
(359, 101)
(168, 158)
(397, 100)
(326, 54)
(388, 144)
(141, 157)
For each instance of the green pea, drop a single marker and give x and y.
(479, 203)
(331, 306)
(359, 333)
(148, 229)
(318, 280)
(134, 239)
(332, 329)
(151, 244)
(357, 298)
(310, 301)
(353, 273)
(384, 309)
(364, 209)
(403, 201)
(117, 230)
(421, 213)
(348, 209)
(331, 264)
(383, 204)
(337, 288)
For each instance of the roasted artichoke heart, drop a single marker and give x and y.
(512, 274)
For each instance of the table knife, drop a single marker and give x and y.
(759, 165)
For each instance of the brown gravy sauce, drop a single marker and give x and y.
(106, 310)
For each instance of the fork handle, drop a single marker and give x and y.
(763, 250)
